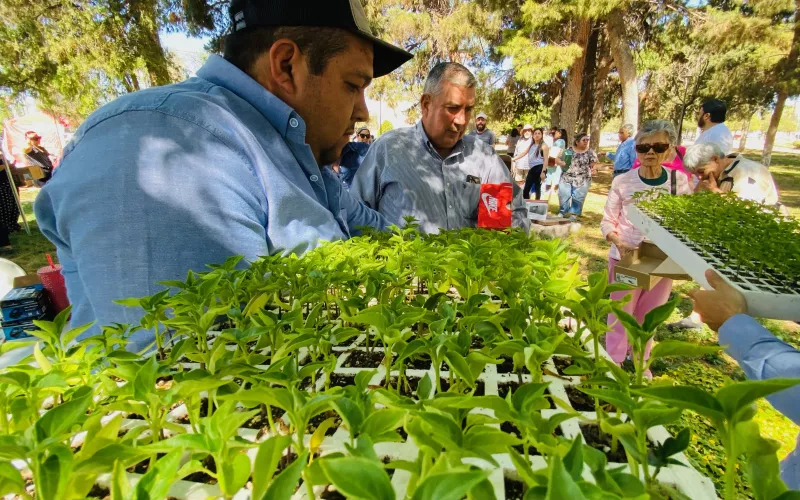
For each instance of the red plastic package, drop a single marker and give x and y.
(494, 207)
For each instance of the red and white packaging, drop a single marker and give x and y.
(494, 207)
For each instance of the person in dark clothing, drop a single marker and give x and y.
(9, 211)
(352, 156)
(38, 156)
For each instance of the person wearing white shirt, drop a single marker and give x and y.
(710, 119)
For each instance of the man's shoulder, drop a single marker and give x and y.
(190, 100)
(403, 134)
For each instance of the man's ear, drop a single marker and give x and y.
(424, 103)
(284, 59)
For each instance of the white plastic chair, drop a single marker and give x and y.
(8, 271)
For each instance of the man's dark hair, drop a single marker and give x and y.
(319, 44)
(716, 109)
(514, 132)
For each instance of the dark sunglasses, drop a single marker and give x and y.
(658, 147)
(364, 136)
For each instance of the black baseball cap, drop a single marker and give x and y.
(344, 14)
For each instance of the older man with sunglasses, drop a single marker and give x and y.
(652, 147)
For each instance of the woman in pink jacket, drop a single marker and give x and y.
(652, 147)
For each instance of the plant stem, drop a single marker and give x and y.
(730, 467)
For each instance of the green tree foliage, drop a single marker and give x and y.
(74, 56)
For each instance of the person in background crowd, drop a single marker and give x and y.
(550, 136)
(372, 139)
(748, 179)
(38, 156)
(625, 156)
(9, 211)
(718, 173)
(363, 135)
(674, 158)
(555, 163)
(537, 152)
(759, 353)
(256, 128)
(652, 146)
(577, 179)
(352, 156)
(432, 171)
(520, 162)
(483, 133)
(511, 141)
(710, 118)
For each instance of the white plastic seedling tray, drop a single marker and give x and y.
(764, 300)
(684, 478)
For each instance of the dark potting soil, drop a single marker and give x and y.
(421, 363)
(202, 477)
(477, 342)
(134, 416)
(316, 421)
(510, 428)
(338, 380)
(602, 441)
(515, 490)
(505, 387)
(579, 400)
(361, 359)
(259, 420)
(144, 465)
(562, 364)
(402, 433)
(373, 342)
(408, 390)
(98, 491)
(203, 413)
(507, 366)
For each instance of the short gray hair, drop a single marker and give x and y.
(656, 126)
(701, 154)
(628, 127)
(448, 71)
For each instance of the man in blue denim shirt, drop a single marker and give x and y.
(173, 178)
(759, 353)
(626, 155)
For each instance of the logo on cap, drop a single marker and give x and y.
(360, 17)
(239, 18)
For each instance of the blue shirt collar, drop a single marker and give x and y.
(285, 120)
(426, 143)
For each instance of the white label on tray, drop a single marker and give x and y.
(628, 280)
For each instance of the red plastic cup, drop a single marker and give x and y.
(53, 282)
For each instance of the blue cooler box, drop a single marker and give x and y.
(25, 303)
(15, 330)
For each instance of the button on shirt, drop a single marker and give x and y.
(762, 356)
(403, 174)
(173, 178)
(720, 135)
(624, 157)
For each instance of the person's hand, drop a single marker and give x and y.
(718, 305)
(543, 176)
(708, 183)
(625, 250)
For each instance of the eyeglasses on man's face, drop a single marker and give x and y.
(364, 136)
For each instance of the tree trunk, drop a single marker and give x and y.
(766, 156)
(555, 109)
(745, 131)
(588, 90)
(623, 60)
(572, 90)
(785, 71)
(601, 83)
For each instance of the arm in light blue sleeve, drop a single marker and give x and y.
(161, 198)
(611, 156)
(625, 157)
(359, 214)
(762, 356)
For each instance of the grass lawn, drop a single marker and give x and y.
(709, 372)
